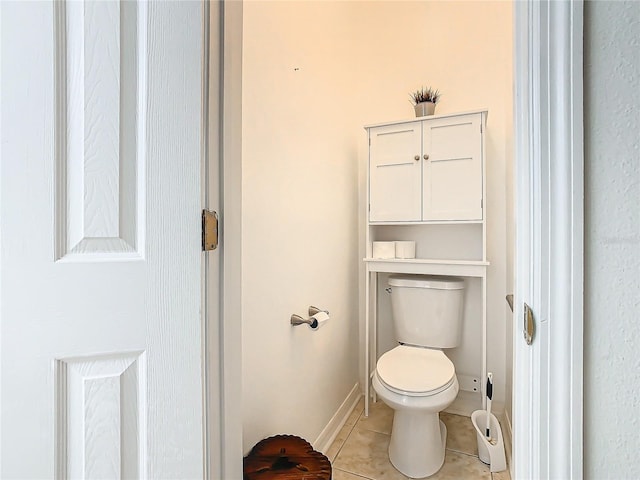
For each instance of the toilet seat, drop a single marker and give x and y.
(415, 371)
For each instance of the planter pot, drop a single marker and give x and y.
(425, 108)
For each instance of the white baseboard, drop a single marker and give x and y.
(330, 432)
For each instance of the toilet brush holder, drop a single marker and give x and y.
(490, 451)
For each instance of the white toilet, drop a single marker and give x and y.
(416, 378)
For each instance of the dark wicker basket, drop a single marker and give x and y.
(286, 457)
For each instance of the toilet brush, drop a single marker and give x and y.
(489, 397)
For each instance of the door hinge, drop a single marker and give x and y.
(209, 230)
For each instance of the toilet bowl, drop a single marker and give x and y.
(417, 383)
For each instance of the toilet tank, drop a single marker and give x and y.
(427, 309)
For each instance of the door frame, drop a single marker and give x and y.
(231, 209)
(548, 119)
(222, 94)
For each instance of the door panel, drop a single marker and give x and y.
(100, 194)
(395, 189)
(105, 417)
(452, 175)
(100, 66)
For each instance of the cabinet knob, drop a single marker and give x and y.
(416, 158)
(426, 156)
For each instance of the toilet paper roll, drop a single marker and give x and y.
(405, 249)
(320, 319)
(384, 249)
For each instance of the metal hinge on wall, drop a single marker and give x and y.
(209, 230)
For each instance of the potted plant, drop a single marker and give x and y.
(424, 101)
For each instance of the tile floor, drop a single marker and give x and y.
(360, 449)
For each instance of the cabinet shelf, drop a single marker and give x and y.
(431, 222)
(463, 268)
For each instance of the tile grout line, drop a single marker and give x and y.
(464, 453)
(351, 430)
(342, 446)
(347, 437)
(354, 474)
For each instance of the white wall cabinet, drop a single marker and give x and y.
(426, 183)
(427, 170)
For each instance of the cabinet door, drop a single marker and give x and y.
(452, 168)
(395, 188)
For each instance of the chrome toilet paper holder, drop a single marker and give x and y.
(312, 322)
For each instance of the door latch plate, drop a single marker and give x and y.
(209, 230)
(529, 325)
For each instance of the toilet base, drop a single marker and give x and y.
(418, 442)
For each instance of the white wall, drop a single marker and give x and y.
(313, 74)
(612, 240)
(300, 219)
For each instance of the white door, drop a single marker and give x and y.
(101, 344)
(395, 190)
(452, 171)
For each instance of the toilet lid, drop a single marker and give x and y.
(415, 370)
